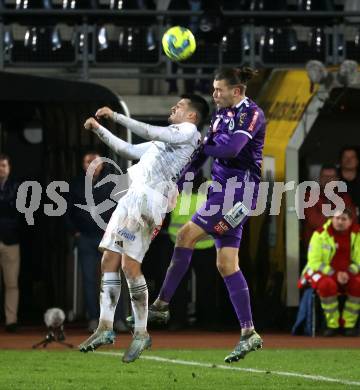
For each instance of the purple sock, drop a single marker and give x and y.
(239, 295)
(180, 262)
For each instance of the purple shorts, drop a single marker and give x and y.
(215, 214)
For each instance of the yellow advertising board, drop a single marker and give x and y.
(284, 99)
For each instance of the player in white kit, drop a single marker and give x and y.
(140, 212)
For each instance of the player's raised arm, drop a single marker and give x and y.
(123, 148)
(170, 134)
(188, 113)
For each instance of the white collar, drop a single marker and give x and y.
(241, 102)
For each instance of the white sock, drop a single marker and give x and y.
(109, 296)
(139, 302)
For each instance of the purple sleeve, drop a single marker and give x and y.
(226, 146)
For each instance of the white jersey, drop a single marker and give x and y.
(153, 188)
(162, 161)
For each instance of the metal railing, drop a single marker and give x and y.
(80, 53)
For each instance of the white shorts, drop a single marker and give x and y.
(125, 236)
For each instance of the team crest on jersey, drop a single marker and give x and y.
(230, 114)
(242, 118)
(231, 124)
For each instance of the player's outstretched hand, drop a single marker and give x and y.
(104, 113)
(91, 124)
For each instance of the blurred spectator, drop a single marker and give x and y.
(203, 263)
(349, 173)
(314, 217)
(88, 234)
(333, 268)
(9, 242)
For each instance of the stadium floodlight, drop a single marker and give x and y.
(317, 38)
(224, 43)
(357, 38)
(129, 41)
(8, 39)
(102, 38)
(270, 39)
(292, 39)
(81, 41)
(150, 40)
(245, 41)
(56, 42)
(267, 39)
(69, 4)
(348, 72)
(121, 37)
(340, 43)
(21, 4)
(116, 4)
(30, 39)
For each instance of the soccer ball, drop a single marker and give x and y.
(178, 43)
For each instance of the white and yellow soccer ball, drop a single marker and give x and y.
(178, 43)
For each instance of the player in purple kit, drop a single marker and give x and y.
(235, 140)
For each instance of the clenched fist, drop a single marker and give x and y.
(104, 112)
(91, 124)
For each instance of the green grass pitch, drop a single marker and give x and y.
(195, 369)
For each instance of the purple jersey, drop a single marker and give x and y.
(242, 126)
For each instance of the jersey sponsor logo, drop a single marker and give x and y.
(221, 227)
(126, 234)
(253, 121)
(204, 221)
(231, 124)
(215, 124)
(242, 118)
(235, 216)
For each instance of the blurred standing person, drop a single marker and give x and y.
(9, 242)
(349, 173)
(87, 233)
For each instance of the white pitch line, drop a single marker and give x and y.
(232, 368)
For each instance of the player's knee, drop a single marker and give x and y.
(185, 238)
(226, 267)
(110, 261)
(131, 269)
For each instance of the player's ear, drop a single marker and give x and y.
(237, 91)
(192, 115)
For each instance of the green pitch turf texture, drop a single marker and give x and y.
(102, 370)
